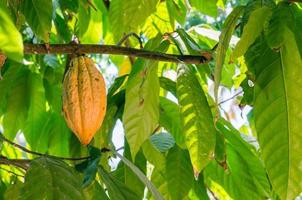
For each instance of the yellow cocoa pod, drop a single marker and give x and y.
(84, 98)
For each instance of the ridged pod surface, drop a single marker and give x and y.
(84, 98)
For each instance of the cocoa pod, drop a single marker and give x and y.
(84, 98)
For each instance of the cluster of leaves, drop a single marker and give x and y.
(174, 132)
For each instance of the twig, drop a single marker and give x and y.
(21, 163)
(129, 35)
(114, 50)
(228, 99)
(37, 153)
(11, 172)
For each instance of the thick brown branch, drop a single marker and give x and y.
(114, 50)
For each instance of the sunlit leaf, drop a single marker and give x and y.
(252, 30)
(10, 39)
(127, 17)
(207, 7)
(197, 119)
(277, 102)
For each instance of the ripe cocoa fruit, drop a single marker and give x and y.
(84, 98)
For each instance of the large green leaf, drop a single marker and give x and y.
(130, 178)
(197, 119)
(10, 39)
(180, 176)
(244, 168)
(95, 192)
(252, 30)
(59, 135)
(153, 155)
(158, 178)
(170, 119)
(224, 40)
(207, 7)
(90, 21)
(37, 117)
(38, 14)
(141, 176)
(117, 190)
(14, 191)
(127, 17)
(51, 179)
(17, 106)
(277, 104)
(141, 112)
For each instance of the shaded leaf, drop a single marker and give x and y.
(224, 40)
(180, 176)
(56, 181)
(116, 189)
(38, 14)
(141, 176)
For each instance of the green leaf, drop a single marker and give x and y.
(244, 168)
(180, 176)
(127, 17)
(37, 117)
(168, 85)
(277, 103)
(224, 40)
(90, 22)
(71, 5)
(177, 10)
(162, 141)
(51, 179)
(158, 178)
(141, 111)
(141, 176)
(197, 119)
(59, 135)
(14, 191)
(16, 113)
(10, 39)
(38, 14)
(95, 192)
(153, 155)
(116, 189)
(130, 178)
(207, 7)
(256, 23)
(199, 190)
(170, 119)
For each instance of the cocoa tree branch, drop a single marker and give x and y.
(114, 50)
(37, 153)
